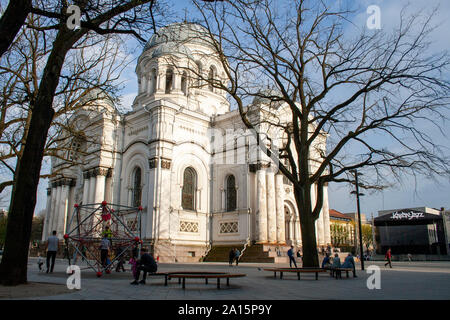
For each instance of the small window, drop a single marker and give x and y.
(231, 193)
(153, 79)
(189, 189)
(184, 83)
(199, 73)
(211, 78)
(137, 188)
(191, 253)
(169, 80)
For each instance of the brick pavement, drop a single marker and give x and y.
(407, 280)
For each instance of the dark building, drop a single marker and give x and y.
(412, 230)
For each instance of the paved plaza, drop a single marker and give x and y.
(406, 280)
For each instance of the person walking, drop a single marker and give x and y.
(105, 244)
(290, 254)
(237, 253)
(388, 257)
(120, 254)
(52, 249)
(231, 256)
(147, 264)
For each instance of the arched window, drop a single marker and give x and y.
(137, 187)
(231, 193)
(189, 189)
(199, 72)
(211, 77)
(169, 80)
(153, 81)
(184, 83)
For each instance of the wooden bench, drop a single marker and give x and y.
(182, 276)
(296, 270)
(337, 272)
(155, 274)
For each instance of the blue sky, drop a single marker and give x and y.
(410, 192)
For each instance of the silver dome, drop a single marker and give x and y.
(179, 33)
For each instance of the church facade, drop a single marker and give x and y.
(182, 155)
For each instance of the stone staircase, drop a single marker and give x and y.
(254, 253)
(221, 253)
(262, 253)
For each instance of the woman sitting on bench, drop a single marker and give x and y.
(350, 263)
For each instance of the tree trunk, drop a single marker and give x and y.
(307, 225)
(11, 21)
(13, 268)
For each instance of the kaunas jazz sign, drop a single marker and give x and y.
(407, 215)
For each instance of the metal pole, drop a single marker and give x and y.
(359, 222)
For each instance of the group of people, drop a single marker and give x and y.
(234, 256)
(335, 263)
(145, 264)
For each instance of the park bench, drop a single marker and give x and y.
(182, 276)
(296, 270)
(337, 272)
(156, 274)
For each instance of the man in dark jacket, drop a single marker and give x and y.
(290, 254)
(146, 264)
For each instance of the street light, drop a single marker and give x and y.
(361, 254)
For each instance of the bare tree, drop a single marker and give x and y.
(89, 70)
(368, 98)
(11, 21)
(126, 17)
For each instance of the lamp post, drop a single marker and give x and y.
(361, 254)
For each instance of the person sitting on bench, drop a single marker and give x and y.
(326, 263)
(147, 264)
(336, 264)
(349, 262)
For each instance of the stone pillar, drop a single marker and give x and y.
(57, 210)
(100, 180)
(279, 191)
(86, 190)
(261, 213)
(92, 190)
(52, 211)
(63, 207)
(326, 216)
(45, 231)
(271, 208)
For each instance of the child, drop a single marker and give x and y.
(40, 262)
(133, 263)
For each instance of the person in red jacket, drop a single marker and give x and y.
(388, 257)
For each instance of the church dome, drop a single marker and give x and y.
(171, 48)
(178, 34)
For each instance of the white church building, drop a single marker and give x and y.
(183, 155)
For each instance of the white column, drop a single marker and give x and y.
(100, 188)
(85, 191)
(92, 190)
(261, 213)
(57, 211)
(47, 214)
(279, 191)
(52, 212)
(271, 208)
(326, 216)
(63, 207)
